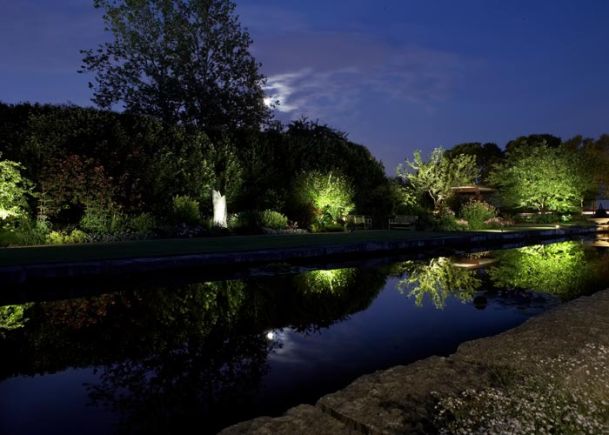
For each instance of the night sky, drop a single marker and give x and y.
(396, 75)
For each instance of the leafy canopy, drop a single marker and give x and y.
(330, 194)
(14, 190)
(437, 176)
(542, 178)
(180, 60)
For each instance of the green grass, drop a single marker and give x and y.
(167, 247)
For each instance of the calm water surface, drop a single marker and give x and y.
(206, 355)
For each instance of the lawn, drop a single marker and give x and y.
(169, 247)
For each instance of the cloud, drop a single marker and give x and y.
(318, 75)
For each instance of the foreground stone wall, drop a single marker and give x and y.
(402, 399)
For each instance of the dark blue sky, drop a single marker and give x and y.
(397, 75)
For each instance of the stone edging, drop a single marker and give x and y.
(400, 399)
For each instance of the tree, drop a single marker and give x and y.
(542, 178)
(487, 155)
(533, 140)
(439, 175)
(227, 179)
(14, 190)
(330, 195)
(182, 61)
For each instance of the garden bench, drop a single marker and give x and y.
(406, 222)
(359, 220)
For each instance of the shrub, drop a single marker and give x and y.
(104, 223)
(142, 225)
(32, 232)
(56, 238)
(185, 210)
(8, 238)
(327, 228)
(77, 236)
(446, 221)
(65, 238)
(273, 219)
(476, 213)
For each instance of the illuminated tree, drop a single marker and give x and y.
(542, 178)
(330, 194)
(437, 176)
(14, 190)
(226, 179)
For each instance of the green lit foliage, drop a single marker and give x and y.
(14, 191)
(13, 317)
(560, 269)
(335, 281)
(329, 194)
(66, 238)
(542, 178)
(185, 210)
(436, 177)
(477, 213)
(438, 279)
(273, 219)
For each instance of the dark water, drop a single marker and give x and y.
(207, 355)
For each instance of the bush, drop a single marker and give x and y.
(142, 225)
(327, 228)
(77, 236)
(105, 224)
(476, 213)
(538, 218)
(446, 221)
(8, 238)
(185, 210)
(243, 222)
(273, 219)
(65, 238)
(56, 238)
(31, 232)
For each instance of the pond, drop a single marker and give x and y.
(209, 354)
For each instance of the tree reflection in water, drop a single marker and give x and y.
(564, 269)
(438, 279)
(171, 359)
